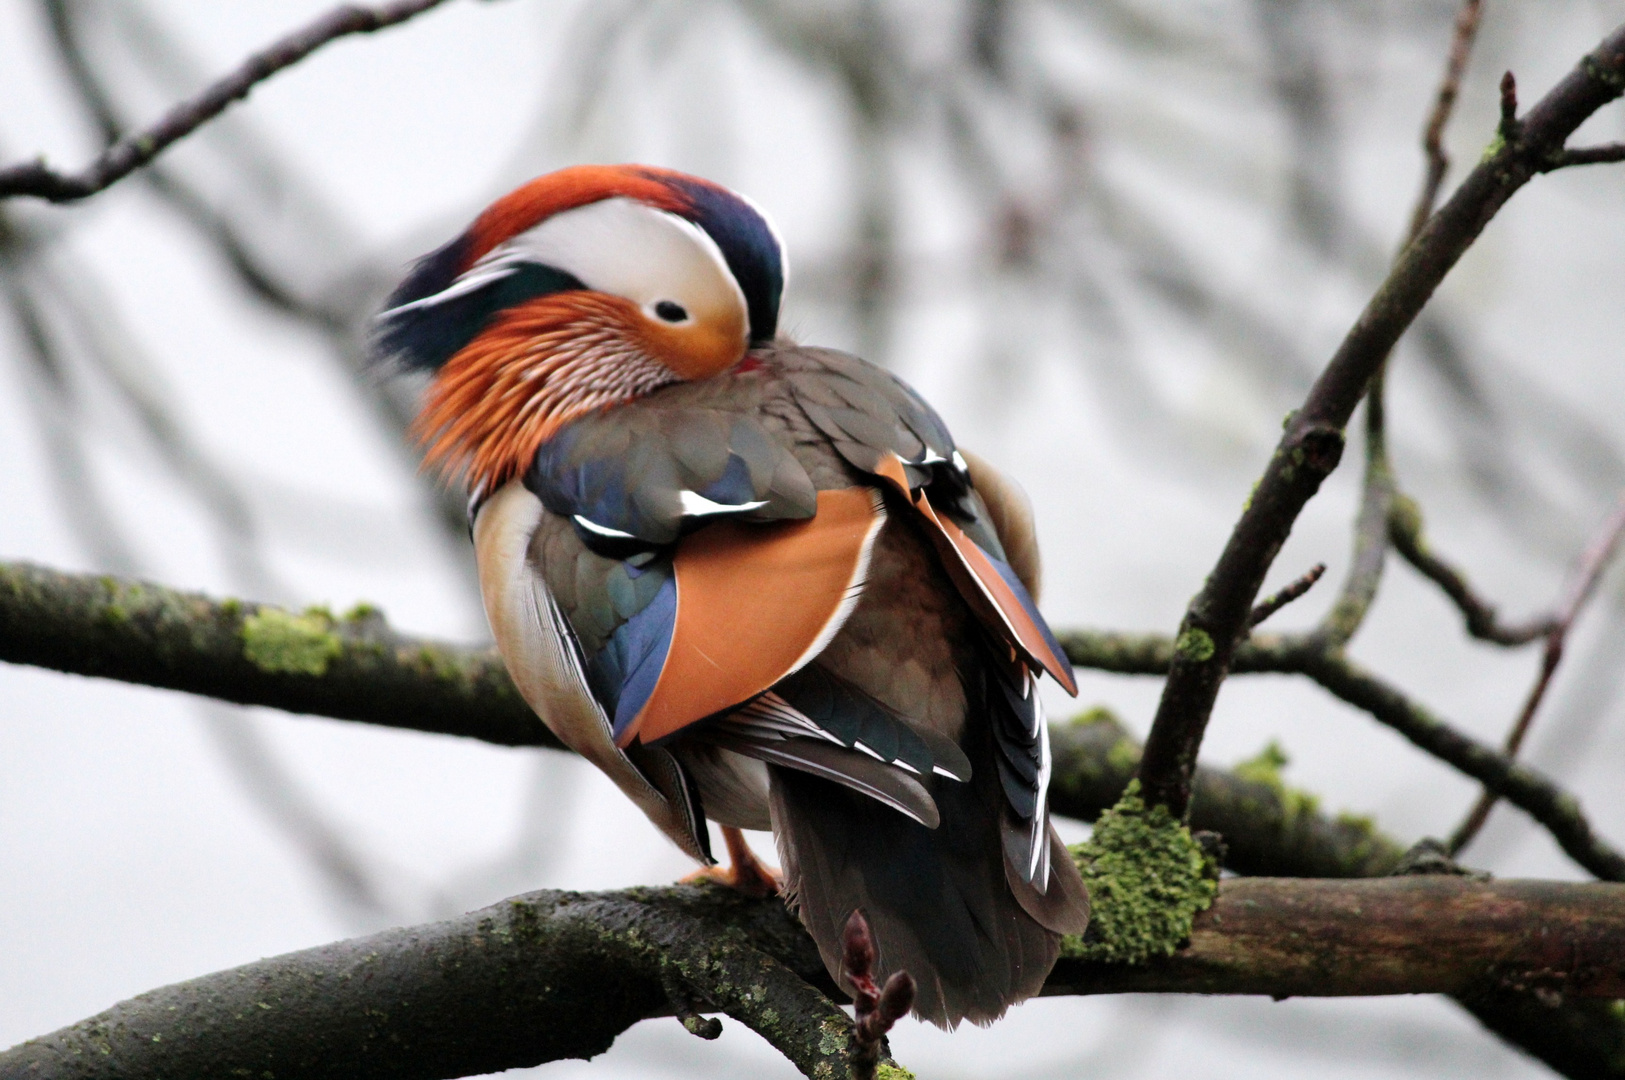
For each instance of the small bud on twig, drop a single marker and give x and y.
(875, 1009)
(1509, 107)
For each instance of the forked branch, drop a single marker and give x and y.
(1216, 619)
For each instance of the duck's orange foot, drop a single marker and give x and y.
(744, 873)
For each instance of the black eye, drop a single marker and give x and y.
(672, 312)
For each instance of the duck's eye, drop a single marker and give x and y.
(671, 311)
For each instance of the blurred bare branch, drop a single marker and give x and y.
(1593, 562)
(133, 151)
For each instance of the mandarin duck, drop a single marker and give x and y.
(753, 582)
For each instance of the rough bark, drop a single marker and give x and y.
(352, 667)
(552, 975)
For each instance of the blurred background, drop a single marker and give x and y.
(1111, 240)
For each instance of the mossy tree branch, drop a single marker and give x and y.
(533, 979)
(357, 668)
(350, 667)
(551, 975)
(1269, 829)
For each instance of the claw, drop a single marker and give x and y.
(744, 873)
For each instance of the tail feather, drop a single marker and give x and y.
(939, 901)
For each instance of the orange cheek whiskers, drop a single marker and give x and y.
(540, 365)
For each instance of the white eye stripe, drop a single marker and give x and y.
(627, 248)
(617, 246)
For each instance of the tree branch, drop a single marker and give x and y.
(95, 625)
(1543, 800)
(1406, 533)
(1539, 797)
(551, 975)
(133, 151)
(1269, 830)
(1586, 155)
(352, 667)
(1427, 934)
(1378, 490)
(357, 668)
(1312, 444)
(1582, 584)
(537, 978)
(1280, 599)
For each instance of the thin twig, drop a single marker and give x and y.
(133, 151)
(1379, 490)
(1377, 495)
(1582, 584)
(1588, 155)
(1405, 531)
(1309, 450)
(1285, 596)
(1461, 45)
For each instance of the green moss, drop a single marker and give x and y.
(1095, 714)
(1364, 824)
(1147, 879)
(1194, 644)
(1124, 756)
(446, 666)
(1266, 769)
(281, 642)
(1406, 516)
(887, 1070)
(1496, 145)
